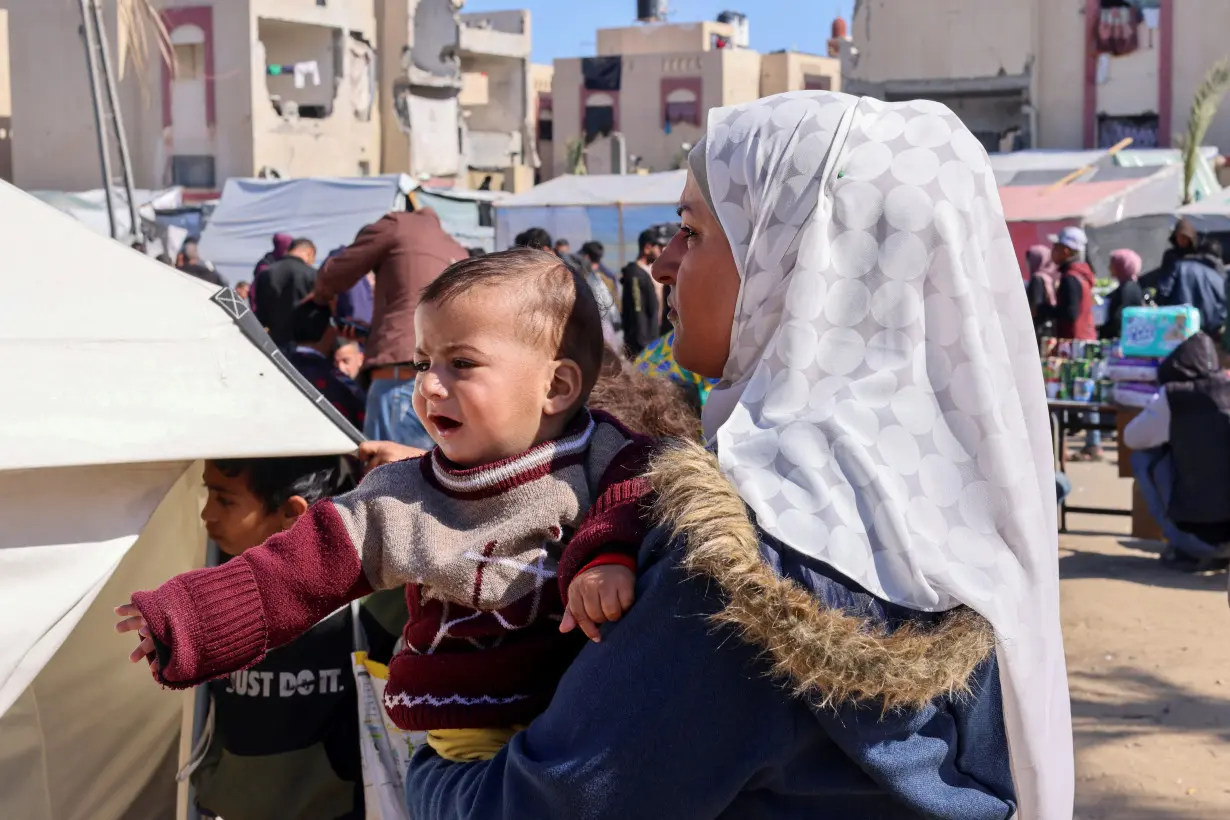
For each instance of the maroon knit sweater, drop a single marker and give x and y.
(471, 660)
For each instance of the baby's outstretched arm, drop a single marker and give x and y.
(210, 622)
(599, 594)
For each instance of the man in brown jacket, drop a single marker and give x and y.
(406, 250)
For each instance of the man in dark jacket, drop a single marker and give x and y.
(281, 244)
(191, 263)
(282, 287)
(1197, 278)
(640, 308)
(1182, 458)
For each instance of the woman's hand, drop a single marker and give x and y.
(132, 621)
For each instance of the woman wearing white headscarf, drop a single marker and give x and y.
(852, 610)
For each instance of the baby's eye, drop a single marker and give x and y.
(462, 364)
(421, 366)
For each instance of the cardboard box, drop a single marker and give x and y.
(1123, 416)
(1144, 527)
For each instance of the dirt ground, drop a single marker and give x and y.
(1149, 667)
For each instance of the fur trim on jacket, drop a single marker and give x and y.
(828, 656)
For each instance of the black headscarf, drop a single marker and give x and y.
(1193, 360)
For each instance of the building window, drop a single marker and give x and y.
(193, 171)
(682, 106)
(189, 60)
(546, 126)
(817, 82)
(599, 116)
(1143, 130)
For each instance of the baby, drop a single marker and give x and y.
(527, 513)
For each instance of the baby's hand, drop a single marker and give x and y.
(598, 595)
(133, 622)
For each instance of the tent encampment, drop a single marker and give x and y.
(611, 208)
(1036, 212)
(328, 211)
(123, 376)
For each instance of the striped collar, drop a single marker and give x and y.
(515, 470)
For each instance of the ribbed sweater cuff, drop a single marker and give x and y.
(207, 623)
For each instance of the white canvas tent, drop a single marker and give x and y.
(330, 211)
(122, 375)
(611, 208)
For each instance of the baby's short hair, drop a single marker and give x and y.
(554, 303)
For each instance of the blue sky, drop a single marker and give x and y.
(562, 29)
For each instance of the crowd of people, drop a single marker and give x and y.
(847, 605)
(1181, 439)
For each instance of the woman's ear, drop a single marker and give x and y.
(564, 392)
(294, 507)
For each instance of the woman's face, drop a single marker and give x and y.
(700, 268)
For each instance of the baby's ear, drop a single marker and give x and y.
(564, 392)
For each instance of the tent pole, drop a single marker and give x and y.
(91, 46)
(117, 118)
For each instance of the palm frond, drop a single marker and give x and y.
(140, 29)
(1205, 103)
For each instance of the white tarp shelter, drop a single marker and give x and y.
(90, 207)
(1210, 215)
(611, 208)
(122, 376)
(330, 211)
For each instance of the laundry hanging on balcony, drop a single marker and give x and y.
(301, 71)
(1116, 32)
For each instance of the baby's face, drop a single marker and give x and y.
(482, 387)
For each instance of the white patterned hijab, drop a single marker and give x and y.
(882, 409)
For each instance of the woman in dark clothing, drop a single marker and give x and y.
(1125, 266)
(851, 608)
(1041, 289)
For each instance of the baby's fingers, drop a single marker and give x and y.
(143, 650)
(627, 594)
(133, 624)
(588, 615)
(610, 602)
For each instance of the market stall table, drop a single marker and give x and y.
(1061, 411)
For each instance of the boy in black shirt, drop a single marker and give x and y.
(285, 733)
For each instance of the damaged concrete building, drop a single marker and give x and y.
(273, 87)
(276, 88)
(458, 107)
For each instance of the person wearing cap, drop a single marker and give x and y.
(641, 311)
(1074, 300)
(1074, 310)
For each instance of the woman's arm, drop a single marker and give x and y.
(671, 716)
(664, 718)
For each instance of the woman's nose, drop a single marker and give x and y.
(667, 264)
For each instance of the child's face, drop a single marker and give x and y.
(484, 391)
(234, 517)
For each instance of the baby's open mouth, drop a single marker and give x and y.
(443, 423)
